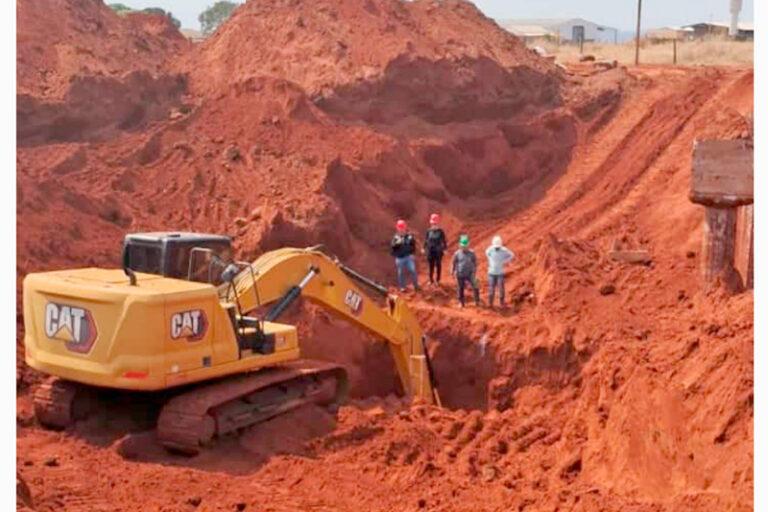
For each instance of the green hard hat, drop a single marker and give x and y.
(463, 240)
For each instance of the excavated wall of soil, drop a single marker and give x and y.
(85, 73)
(321, 157)
(97, 108)
(603, 386)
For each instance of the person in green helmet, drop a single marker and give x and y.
(464, 268)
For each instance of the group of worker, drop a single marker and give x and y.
(463, 263)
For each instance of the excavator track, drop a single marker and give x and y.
(191, 420)
(59, 403)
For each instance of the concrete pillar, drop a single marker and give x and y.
(719, 240)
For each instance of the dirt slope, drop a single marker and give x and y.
(61, 40)
(332, 48)
(296, 169)
(84, 72)
(300, 123)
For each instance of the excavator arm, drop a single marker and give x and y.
(279, 277)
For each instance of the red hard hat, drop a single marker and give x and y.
(401, 225)
(434, 219)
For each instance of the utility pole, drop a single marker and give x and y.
(637, 32)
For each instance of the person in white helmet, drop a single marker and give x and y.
(498, 256)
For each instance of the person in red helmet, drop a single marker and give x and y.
(403, 247)
(435, 245)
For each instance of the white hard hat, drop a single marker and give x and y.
(496, 242)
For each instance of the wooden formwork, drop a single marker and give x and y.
(722, 173)
(722, 182)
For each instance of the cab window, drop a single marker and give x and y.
(179, 259)
(145, 258)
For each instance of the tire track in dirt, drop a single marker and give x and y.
(613, 160)
(634, 156)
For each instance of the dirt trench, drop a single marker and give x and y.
(476, 370)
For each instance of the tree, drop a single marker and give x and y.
(120, 8)
(123, 9)
(176, 22)
(215, 15)
(161, 12)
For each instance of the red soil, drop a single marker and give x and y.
(302, 123)
(60, 41)
(84, 72)
(380, 61)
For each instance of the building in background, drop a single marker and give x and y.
(193, 35)
(719, 29)
(670, 33)
(532, 33)
(563, 30)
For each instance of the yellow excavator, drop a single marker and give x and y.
(183, 318)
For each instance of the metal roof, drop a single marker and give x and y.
(668, 32)
(548, 23)
(746, 26)
(192, 34)
(529, 30)
(181, 236)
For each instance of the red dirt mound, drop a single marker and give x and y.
(58, 40)
(603, 386)
(84, 72)
(295, 171)
(330, 47)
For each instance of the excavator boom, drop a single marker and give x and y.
(340, 290)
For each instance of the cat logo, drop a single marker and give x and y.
(354, 301)
(71, 324)
(190, 324)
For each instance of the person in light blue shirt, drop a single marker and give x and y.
(498, 256)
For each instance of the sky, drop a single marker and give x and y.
(614, 13)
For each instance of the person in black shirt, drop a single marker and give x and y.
(435, 245)
(403, 247)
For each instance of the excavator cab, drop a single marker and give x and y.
(191, 256)
(198, 257)
(202, 258)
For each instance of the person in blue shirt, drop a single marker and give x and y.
(498, 257)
